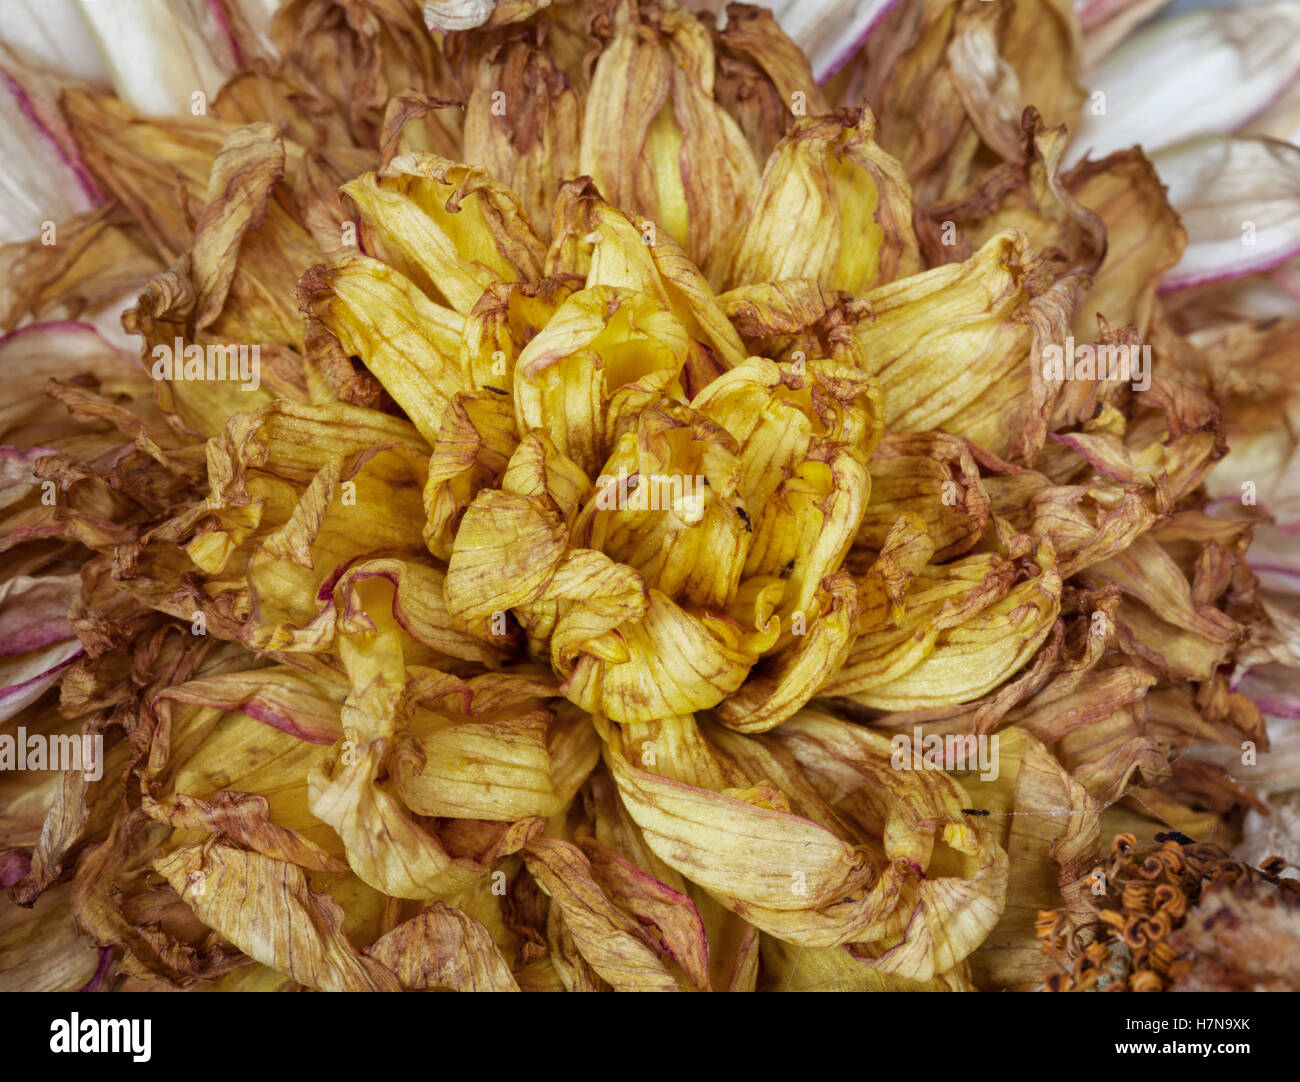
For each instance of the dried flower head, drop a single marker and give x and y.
(596, 509)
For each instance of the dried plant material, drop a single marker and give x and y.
(1183, 917)
(596, 510)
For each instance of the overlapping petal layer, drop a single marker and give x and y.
(676, 535)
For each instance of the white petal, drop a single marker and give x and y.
(457, 14)
(1274, 773)
(25, 679)
(1278, 833)
(1201, 73)
(1281, 119)
(1239, 199)
(38, 184)
(36, 641)
(161, 52)
(1095, 12)
(1108, 22)
(828, 33)
(52, 34)
(1287, 277)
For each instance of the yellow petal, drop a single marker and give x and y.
(446, 226)
(267, 909)
(677, 157)
(444, 948)
(829, 171)
(409, 343)
(605, 353)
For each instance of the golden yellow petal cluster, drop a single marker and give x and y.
(649, 509)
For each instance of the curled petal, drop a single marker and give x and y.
(613, 944)
(444, 948)
(831, 169)
(446, 226)
(267, 909)
(679, 158)
(606, 352)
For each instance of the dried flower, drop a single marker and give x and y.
(594, 514)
